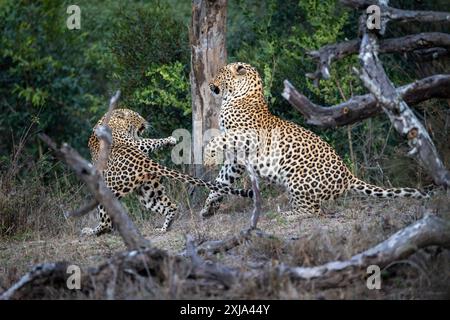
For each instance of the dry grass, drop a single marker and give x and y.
(357, 224)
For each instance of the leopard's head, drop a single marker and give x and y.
(237, 79)
(126, 120)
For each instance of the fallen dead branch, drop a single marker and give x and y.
(215, 246)
(428, 231)
(152, 262)
(209, 271)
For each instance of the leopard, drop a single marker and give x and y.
(276, 150)
(130, 169)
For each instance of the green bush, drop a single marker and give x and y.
(152, 50)
(46, 74)
(59, 81)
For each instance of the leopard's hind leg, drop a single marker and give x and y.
(302, 203)
(228, 174)
(104, 226)
(120, 188)
(153, 197)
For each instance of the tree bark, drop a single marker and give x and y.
(208, 54)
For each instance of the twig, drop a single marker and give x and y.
(57, 272)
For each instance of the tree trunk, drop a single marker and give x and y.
(208, 54)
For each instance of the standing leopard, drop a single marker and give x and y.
(278, 150)
(130, 169)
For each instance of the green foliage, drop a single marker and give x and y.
(285, 31)
(152, 51)
(166, 94)
(49, 78)
(59, 81)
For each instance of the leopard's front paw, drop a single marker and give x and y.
(172, 140)
(87, 232)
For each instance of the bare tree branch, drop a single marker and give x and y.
(207, 38)
(365, 106)
(428, 231)
(327, 54)
(401, 116)
(393, 14)
(103, 134)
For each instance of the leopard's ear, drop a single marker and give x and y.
(241, 70)
(121, 113)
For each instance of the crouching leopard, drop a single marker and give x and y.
(130, 169)
(278, 150)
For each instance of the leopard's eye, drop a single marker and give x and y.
(241, 70)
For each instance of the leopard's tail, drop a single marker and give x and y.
(371, 190)
(216, 186)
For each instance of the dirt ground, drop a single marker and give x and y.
(353, 225)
